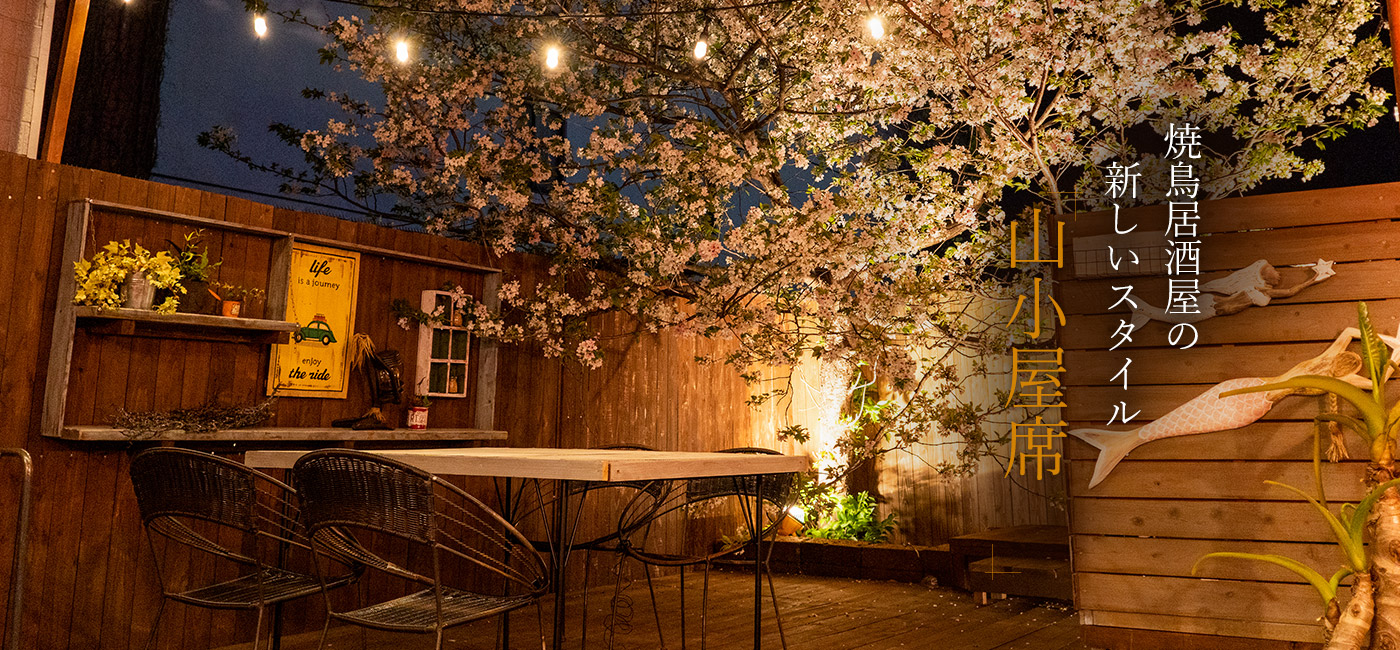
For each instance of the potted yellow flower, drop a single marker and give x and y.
(123, 274)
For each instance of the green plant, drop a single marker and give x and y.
(192, 257)
(852, 516)
(99, 280)
(226, 291)
(421, 400)
(1374, 608)
(1348, 524)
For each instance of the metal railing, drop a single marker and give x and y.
(16, 604)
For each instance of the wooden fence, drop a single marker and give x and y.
(91, 582)
(1137, 534)
(933, 508)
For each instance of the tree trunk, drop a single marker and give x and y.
(1354, 626)
(1385, 563)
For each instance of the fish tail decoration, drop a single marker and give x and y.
(1113, 446)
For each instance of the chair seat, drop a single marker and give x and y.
(243, 592)
(418, 612)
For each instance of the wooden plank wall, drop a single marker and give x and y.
(91, 581)
(1136, 535)
(933, 508)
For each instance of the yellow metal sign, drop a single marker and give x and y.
(321, 299)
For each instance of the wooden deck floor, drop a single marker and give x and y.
(818, 614)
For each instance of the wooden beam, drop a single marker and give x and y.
(64, 321)
(57, 127)
(204, 222)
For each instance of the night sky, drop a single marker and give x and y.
(218, 72)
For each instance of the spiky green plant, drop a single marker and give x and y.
(1370, 613)
(1348, 526)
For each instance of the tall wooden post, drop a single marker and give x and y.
(56, 129)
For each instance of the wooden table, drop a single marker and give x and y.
(588, 465)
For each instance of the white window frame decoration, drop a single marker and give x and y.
(447, 317)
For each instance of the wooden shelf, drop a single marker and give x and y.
(186, 320)
(124, 322)
(266, 434)
(146, 323)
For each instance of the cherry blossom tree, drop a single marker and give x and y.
(804, 187)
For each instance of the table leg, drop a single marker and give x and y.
(282, 551)
(758, 562)
(561, 556)
(509, 514)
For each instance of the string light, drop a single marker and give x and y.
(702, 44)
(401, 50)
(551, 57)
(550, 17)
(876, 25)
(260, 26)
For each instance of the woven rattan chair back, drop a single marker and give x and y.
(193, 498)
(366, 492)
(346, 490)
(777, 488)
(350, 496)
(183, 483)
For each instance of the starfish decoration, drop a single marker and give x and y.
(1323, 269)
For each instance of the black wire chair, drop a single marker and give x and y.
(194, 498)
(605, 539)
(348, 492)
(688, 501)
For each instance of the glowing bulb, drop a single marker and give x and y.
(401, 50)
(701, 48)
(260, 26)
(551, 57)
(876, 25)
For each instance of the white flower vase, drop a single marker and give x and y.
(140, 293)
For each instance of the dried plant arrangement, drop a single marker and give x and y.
(141, 425)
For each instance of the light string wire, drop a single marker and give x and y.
(556, 16)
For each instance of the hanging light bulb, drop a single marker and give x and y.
(702, 44)
(260, 26)
(551, 57)
(401, 50)
(876, 25)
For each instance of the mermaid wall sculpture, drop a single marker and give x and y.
(1252, 286)
(1209, 412)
